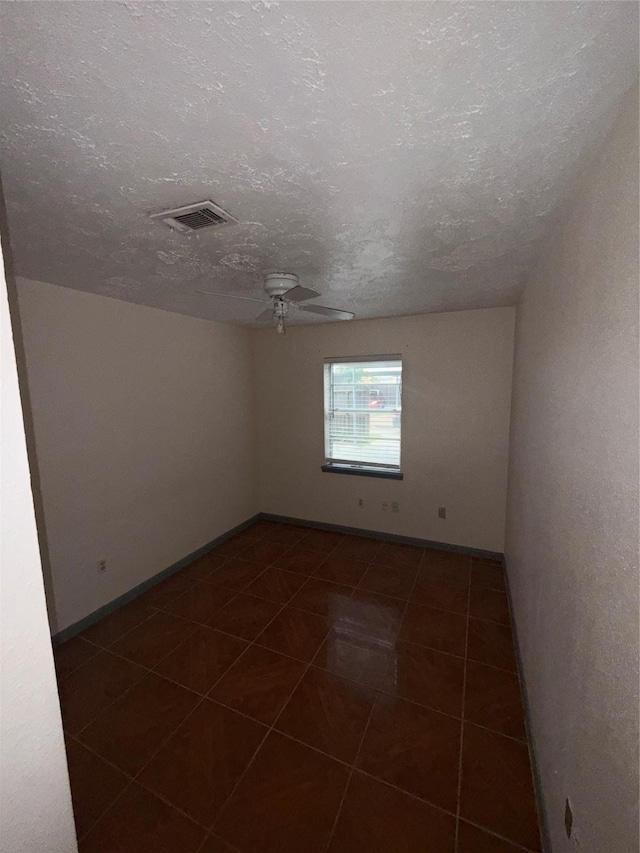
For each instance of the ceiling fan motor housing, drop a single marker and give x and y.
(278, 283)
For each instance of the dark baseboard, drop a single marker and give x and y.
(106, 609)
(72, 630)
(389, 537)
(542, 810)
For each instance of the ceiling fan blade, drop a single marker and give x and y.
(327, 312)
(299, 294)
(232, 296)
(265, 315)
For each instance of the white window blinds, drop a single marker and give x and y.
(363, 411)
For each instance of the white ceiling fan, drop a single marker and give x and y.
(284, 292)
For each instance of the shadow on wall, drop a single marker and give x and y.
(25, 400)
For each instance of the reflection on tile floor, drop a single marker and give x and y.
(302, 690)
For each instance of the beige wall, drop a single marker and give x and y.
(35, 804)
(456, 399)
(144, 429)
(572, 534)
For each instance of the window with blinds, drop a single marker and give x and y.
(363, 412)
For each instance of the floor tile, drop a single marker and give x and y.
(129, 732)
(244, 616)
(341, 605)
(491, 643)
(153, 639)
(414, 748)
(262, 552)
(141, 823)
(329, 713)
(387, 580)
(434, 628)
(497, 789)
(358, 659)
(217, 845)
(287, 800)
(298, 559)
(200, 660)
(358, 548)
(72, 654)
(112, 627)
(492, 699)
(236, 574)
(474, 840)
(371, 616)
(232, 547)
(296, 633)
(200, 602)
(341, 569)
(445, 587)
(276, 585)
(95, 785)
(322, 597)
(198, 767)
(378, 819)
(489, 604)
(166, 590)
(488, 575)
(93, 686)
(203, 566)
(259, 683)
(397, 556)
(426, 676)
(324, 541)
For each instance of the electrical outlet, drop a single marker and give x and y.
(385, 506)
(568, 817)
(102, 567)
(442, 512)
(360, 502)
(395, 506)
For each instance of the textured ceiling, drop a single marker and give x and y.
(400, 157)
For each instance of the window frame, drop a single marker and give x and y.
(352, 466)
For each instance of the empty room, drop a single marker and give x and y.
(320, 440)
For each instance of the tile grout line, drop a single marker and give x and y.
(200, 625)
(369, 718)
(132, 779)
(268, 732)
(309, 664)
(276, 718)
(464, 690)
(202, 698)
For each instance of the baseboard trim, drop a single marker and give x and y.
(106, 609)
(390, 537)
(533, 755)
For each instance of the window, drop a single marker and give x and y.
(362, 415)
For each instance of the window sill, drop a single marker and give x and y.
(382, 473)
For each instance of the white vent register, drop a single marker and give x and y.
(195, 217)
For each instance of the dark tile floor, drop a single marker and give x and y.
(299, 690)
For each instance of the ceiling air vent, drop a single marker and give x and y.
(195, 217)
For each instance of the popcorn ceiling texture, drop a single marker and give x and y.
(400, 157)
